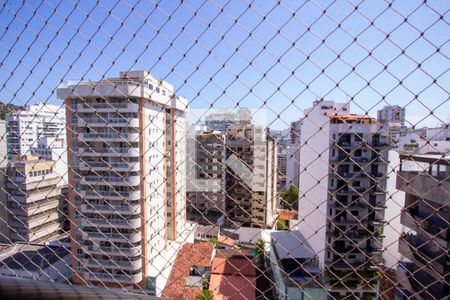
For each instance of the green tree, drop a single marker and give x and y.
(290, 197)
(213, 240)
(282, 224)
(204, 295)
(260, 246)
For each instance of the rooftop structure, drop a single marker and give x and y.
(37, 262)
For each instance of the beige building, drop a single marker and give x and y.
(126, 157)
(35, 200)
(206, 199)
(251, 178)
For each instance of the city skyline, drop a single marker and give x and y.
(225, 149)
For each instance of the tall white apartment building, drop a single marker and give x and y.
(26, 128)
(343, 164)
(126, 139)
(392, 114)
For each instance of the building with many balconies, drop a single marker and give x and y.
(206, 195)
(35, 201)
(343, 164)
(126, 156)
(425, 179)
(25, 128)
(251, 176)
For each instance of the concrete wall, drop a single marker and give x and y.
(292, 165)
(313, 180)
(395, 201)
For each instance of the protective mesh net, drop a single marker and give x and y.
(225, 149)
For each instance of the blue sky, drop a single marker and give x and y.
(275, 57)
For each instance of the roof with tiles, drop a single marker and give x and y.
(198, 254)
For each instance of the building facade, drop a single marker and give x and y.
(206, 197)
(295, 131)
(35, 202)
(392, 114)
(425, 181)
(251, 178)
(4, 229)
(343, 165)
(126, 156)
(25, 128)
(292, 165)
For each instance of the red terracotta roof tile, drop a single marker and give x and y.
(198, 254)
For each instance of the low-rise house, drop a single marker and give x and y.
(233, 275)
(190, 271)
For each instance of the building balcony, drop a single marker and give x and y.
(114, 278)
(352, 234)
(112, 137)
(113, 237)
(111, 195)
(348, 265)
(28, 210)
(36, 233)
(35, 196)
(122, 209)
(111, 181)
(345, 220)
(377, 221)
(113, 264)
(108, 107)
(32, 222)
(109, 122)
(108, 223)
(112, 250)
(110, 152)
(424, 185)
(106, 166)
(25, 184)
